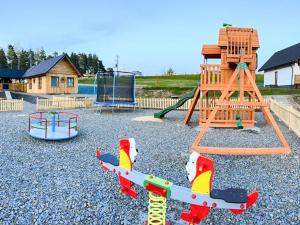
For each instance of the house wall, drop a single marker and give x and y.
(63, 70)
(284, 76)
(35, 89)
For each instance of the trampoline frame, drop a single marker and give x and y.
(112, 103)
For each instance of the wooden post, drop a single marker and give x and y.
(213, 113)
(192, 106)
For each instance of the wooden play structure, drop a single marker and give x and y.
(237, 50)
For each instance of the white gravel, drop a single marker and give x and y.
(61, 182)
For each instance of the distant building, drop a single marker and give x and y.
(137, 73)
(57, 75)
(283, 68)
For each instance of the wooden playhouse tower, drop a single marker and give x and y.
(234, 76)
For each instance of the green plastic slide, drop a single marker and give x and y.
(180, 102)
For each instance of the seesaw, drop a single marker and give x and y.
(201, 197)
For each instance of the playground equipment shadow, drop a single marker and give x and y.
(61, 182)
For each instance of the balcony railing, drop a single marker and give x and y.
(239, 45)
(211, 74)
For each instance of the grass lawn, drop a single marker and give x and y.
(173, 85)
(86, 80)
(180, 84)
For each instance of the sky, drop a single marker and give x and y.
(148, 36)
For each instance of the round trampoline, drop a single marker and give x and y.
(53, 125)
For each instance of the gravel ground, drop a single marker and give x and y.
(61, 183)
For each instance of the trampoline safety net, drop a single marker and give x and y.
(115, 87)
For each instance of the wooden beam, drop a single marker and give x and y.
(189, 113)
(241, 151)
(213, 113)
(242, 84)
(228, 125)
(241, 103)
(229, 95)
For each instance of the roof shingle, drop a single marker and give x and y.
(43, 67)
(283, 57)
(11, 73)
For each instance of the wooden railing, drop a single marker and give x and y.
(13, 105)
(289, 115)
(228, 115)
(211, 74)
(63, 103)
(239, 45)
(18, 87)
(143, 103)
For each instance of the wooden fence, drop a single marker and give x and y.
(143, 103)
(289, 115)
(63, 103)
(161, 103)
(13, 105)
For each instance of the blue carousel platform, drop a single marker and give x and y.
(53, 126)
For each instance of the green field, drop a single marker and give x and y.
(163, 86)
(167, 85)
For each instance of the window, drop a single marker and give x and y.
(70, 82)
(40, 83)
(54, 81)
(30, 83)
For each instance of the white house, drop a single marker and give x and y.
(283, 68)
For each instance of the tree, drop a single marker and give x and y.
(23, 60)
(170, 72)
(82, 62)
(75, 60)
(37, 56)
(12, 57)
(40, 55)
(31, 58)
(49, 57)
(18, 58)
(110, 71)
(3, 59)
(100, 66)
(89, 63)
(97, 65)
